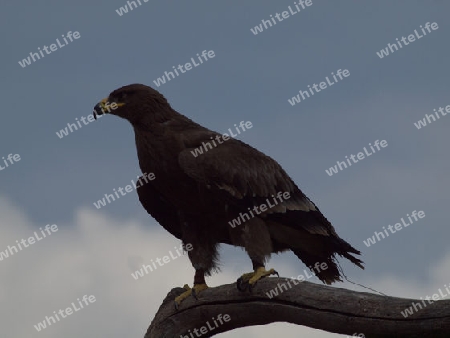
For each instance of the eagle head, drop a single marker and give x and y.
(133, 102)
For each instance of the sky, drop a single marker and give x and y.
(55, 179)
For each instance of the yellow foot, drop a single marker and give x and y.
(249, 280)
(190, 292)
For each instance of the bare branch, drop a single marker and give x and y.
(322, 307)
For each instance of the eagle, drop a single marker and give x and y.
(229, 194)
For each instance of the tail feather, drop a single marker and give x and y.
(313, 240)
(344, 249)
(329, 275)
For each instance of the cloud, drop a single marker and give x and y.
(96, 254)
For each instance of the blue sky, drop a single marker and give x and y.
(250, 78)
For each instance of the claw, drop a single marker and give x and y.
(248, 281)
(241, 284)
(189, 292)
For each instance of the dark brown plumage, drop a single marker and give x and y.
(195, 197)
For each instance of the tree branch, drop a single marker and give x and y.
(322, 307)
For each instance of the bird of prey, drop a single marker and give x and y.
(199, 198)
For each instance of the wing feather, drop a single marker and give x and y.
(246, 178)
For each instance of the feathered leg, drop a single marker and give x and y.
(258, 244)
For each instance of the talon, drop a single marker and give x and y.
(194, 291)
(249, 280)
(241, 285)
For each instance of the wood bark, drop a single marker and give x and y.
(317, 306)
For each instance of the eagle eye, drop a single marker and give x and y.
(118, 97)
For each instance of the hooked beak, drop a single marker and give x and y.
(105, 107)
